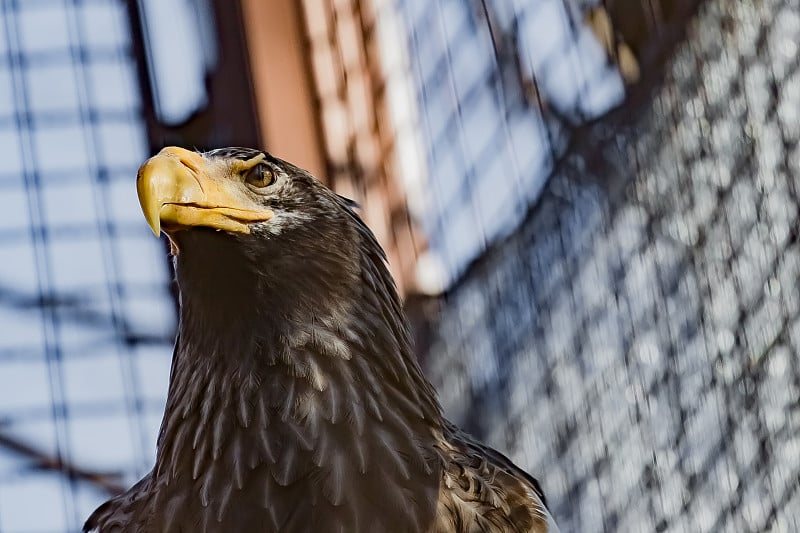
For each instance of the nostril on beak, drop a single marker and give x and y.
(187, 162)
(191, 160)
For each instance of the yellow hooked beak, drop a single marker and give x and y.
(178, 189)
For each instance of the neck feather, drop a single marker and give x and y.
(326, 401)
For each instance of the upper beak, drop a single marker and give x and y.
(176, 191)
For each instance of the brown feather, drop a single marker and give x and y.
(295, 401)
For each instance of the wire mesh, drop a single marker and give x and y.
(622, 315)
(634, 342)
(499, 85)
(84, 309)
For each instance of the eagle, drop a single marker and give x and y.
(295, 400)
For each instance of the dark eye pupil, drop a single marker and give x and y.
(260, 176)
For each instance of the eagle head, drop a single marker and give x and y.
(243, 223)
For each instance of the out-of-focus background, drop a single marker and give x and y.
(591, 209)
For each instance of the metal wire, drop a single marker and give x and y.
(633, 343)
(76, 422)
(621, 314)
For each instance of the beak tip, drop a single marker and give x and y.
(151, 216)
(148, 187)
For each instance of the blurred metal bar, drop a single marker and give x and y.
(230, 117)
(108, 482)
(283, 90)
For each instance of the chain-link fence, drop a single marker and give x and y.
(621, 315)
(634, 343)
(85, 315)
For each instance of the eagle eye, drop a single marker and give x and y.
(260, 176)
